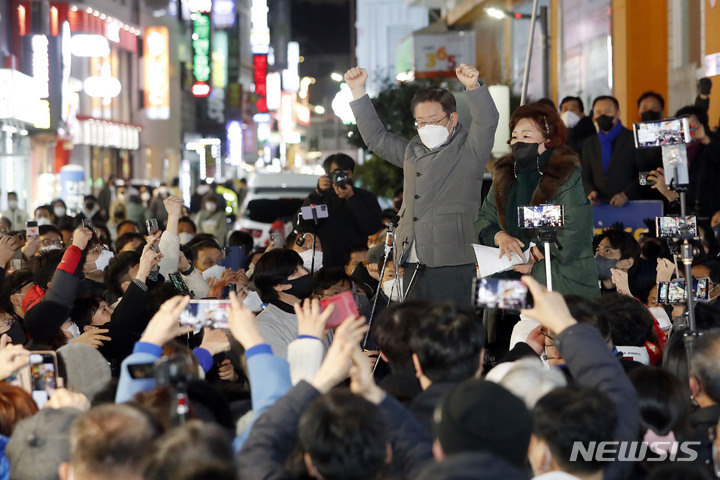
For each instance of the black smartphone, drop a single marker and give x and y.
(87, 223)
(502, 294)
(180, 284)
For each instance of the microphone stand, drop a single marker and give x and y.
(419, 269)
(548, 236)
(388, 248)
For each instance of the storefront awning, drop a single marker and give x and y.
(99, 132)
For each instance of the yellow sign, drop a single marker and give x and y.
(156, 57)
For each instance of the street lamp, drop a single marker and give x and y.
(543, 17)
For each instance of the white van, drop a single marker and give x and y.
(272, 203)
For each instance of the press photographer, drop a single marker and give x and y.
(353, 213)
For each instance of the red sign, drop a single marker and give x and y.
(200, 89)
(260, 80)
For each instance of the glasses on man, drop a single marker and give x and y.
(419, 125)
(46, 242)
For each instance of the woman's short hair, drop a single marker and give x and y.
(547, 120)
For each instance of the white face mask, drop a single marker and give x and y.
(50, 248)
(433, 135)
(59, 211)
(73, 330)
(185, 237)
(12, 204)
(307, 257)
(253, 302)
(210, 206)
(145, 196)
(103, 260)
(43, 221)
(570, 119)
(213, 272)
(390, 289)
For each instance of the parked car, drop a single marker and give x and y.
(272, 203)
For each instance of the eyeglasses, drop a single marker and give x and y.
(419, 125)
(48, 241)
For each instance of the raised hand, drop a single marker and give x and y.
(355, 79)
(243, 325)
(12, 357)
(311, 320)
(8, 246)
(164, 325)
(95, 337)
(81, 237)
(468, 76)
(550, 308)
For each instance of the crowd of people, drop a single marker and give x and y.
(106, 372)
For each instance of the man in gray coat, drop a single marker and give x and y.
(444, 168)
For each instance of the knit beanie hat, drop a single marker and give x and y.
(478, 415)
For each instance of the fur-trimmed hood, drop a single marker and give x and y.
(562, 163)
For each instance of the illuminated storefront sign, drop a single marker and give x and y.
(290, 77)
(219, 60)
(20, 97)
(234, 142)
(157, 73)
(223, 13)
(204, 6)
(201, 49)
(259, 32)
(41, 64)
(260, 80)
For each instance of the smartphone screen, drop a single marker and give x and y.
(206, 313)
(541, 216)
(670, 226)
(662, 292)
(676, 291)
(674, 131)
(344, 307)
(31, 229)
(43, 376)
(502, 294)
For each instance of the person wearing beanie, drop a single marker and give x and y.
(481, 416)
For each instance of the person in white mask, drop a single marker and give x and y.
(14, 213)
(443, 169)
(43, 215)
(97, 259)
(212, 219)
(303, 244)
(60, 212)
(578, 124)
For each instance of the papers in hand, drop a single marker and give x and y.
(489, 260)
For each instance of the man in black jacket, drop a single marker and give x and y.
(353, 213)
(609, 162)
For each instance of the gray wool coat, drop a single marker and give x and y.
(442, 187)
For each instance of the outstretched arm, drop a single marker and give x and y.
(388, 146)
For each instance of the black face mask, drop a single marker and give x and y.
(605, 122)
(524, 153)
(603, 266)
(302, 287)
(650, 116)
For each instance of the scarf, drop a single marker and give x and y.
(606, 143)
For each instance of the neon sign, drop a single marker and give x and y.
(260, 78)
(201, 47)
